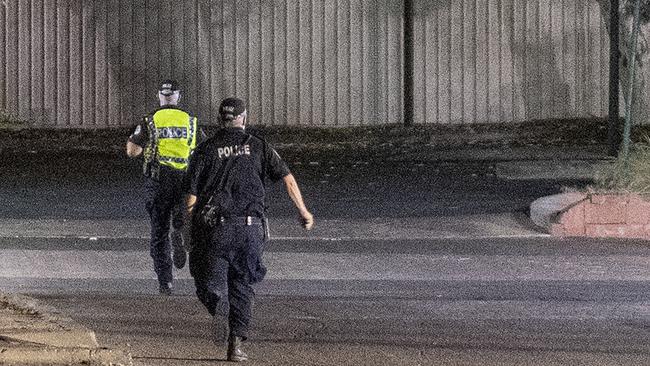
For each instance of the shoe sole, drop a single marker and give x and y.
(237, 359)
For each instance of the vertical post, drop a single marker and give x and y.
(408, 62)
(630, 96)
(613, 137)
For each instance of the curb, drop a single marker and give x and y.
(544, 209)
(577, 214)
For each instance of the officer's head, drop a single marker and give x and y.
(169, 93)
(232, 112)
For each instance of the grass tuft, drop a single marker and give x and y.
(631, 176)
(8, 121)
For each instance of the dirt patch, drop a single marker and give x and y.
(362, 141)
(18, 304)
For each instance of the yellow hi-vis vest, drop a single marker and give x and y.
(172, 137)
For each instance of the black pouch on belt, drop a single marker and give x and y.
(210, 213)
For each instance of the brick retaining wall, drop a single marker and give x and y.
(605, 215)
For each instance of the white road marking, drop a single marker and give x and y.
(293, 238)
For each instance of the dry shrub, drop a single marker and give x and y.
(631, 175)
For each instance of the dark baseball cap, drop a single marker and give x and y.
(230, 108)
(168, 87)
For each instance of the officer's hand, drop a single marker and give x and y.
(307, 220)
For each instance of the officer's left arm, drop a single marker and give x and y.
(276, 170)
(190, 201)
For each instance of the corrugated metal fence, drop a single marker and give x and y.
(510, 60)
(97, 63)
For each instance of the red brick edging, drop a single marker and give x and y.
(605, 215)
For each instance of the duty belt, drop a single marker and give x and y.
(240, 220)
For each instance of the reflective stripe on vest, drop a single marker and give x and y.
(175, 136)
(167, 159)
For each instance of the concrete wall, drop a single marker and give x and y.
(96, 63)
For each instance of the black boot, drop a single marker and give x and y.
(234, 350)
(166, 289)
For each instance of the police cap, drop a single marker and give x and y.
(168, 87)
(230, 108)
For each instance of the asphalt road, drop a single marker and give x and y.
(109, 186)
(513, 301)
(468, 300)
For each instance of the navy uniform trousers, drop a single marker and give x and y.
(164, 202)
(224, 265)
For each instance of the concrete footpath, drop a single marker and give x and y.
(31, 334)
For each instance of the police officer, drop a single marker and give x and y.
(167, 137)
(225, 182)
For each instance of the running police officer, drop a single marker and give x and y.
(225, 182)
(167, 137)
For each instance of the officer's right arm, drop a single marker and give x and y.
(193, 180)
(133, 150)
(138, 139)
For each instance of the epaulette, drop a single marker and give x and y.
(256, 133)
